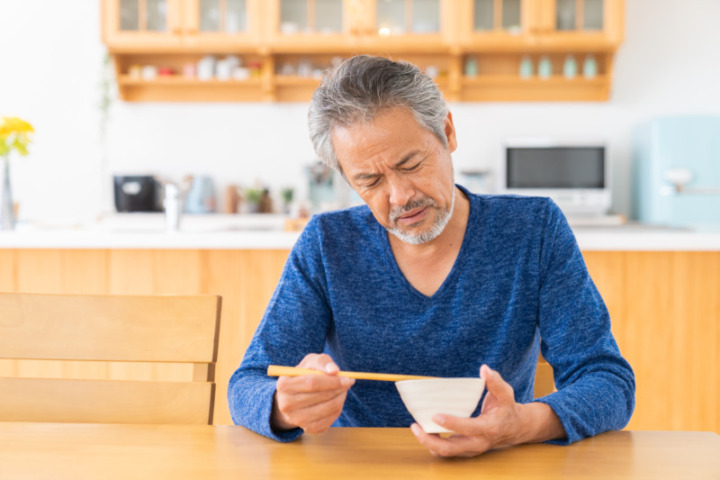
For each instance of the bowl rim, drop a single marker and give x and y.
(440, 379)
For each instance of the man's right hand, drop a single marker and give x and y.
(311, 402)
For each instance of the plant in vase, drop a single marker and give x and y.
(287, 195)
(15, 134)
(252, 200)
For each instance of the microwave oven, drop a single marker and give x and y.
(574, 173)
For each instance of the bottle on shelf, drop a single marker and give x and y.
(526, 67)
(590, 67)
(471, 67)
(570, 67)
(545, 67)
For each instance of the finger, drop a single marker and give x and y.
(313, 383)
(316, 417)
(461, 425)
(496, 386)
(307, 400)
(321, 362)
(454, 446)
(320, 423)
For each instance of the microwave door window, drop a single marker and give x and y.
(556, 168)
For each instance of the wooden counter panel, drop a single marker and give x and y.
(665, 308)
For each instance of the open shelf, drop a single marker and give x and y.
(173, 88)
(505, 88)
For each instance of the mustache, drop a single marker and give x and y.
(416, 203)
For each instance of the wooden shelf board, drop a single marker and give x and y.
(535, 82)
(126, 80)
(518, 90)
(295, 81)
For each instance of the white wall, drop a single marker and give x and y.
(52, 62)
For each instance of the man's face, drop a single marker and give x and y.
(402, 171)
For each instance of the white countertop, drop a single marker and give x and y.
(141, 231)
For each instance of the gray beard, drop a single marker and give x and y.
(441, 221)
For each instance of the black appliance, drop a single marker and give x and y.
(137, 193)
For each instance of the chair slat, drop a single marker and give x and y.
(108, 327)
(96, 401)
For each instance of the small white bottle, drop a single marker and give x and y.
(590, 67)
(545, 67)
(526, 67)
(570, 67)
(172, 206)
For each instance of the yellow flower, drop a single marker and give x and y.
(15, 134)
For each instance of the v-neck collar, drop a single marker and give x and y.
(459, 260)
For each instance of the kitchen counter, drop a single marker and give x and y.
(147, 231)
(657, 280)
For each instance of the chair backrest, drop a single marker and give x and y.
(110, 328)
(544, 379)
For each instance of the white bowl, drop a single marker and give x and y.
(451, 396)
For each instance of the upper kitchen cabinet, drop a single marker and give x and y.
(539, 50)
(336, 26)
(306, 26)
(278, 50)
(541, 25)
(141, 24)
(496, 25)
(222, 25)
(580, 25)
(154, 26)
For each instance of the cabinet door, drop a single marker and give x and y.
(497, 23)
(296, 25)
(410, 25)
(584, 24)
(222, 23)
(141, 24)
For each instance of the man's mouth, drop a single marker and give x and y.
(413, 216)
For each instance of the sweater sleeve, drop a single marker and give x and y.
(295, 323)
(595, 384)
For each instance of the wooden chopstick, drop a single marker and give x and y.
(280, 371)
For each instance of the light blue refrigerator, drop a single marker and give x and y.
(675, 147)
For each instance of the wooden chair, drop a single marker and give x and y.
(110, 328)
(544, 379)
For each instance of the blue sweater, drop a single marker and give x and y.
(519, 286)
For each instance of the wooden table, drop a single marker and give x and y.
(92, 451)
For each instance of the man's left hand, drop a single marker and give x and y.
(502, 423)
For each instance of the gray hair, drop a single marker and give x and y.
(363, 86)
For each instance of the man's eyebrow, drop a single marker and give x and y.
(365, 176)
(372, 176)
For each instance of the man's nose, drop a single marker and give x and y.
(401, 190)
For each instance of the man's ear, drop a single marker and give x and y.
(450, 133)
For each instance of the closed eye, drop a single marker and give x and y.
(373, 183)
(411, 168)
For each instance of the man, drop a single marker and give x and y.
(427, 279)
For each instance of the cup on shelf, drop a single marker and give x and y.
(189, 70)
(287, 69)
(241, 73)
(135, 71)
(305, 68)
(206, 68)
(149, 72)
(223, 70)
(432, 71)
